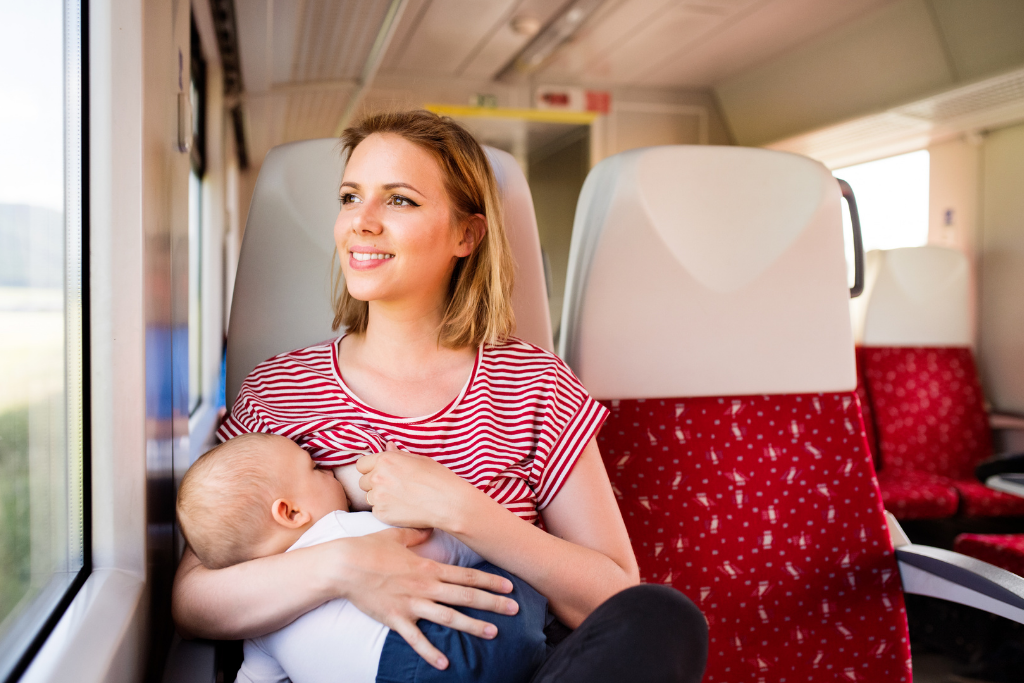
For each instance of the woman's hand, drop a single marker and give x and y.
(410, 490)
(393, 585)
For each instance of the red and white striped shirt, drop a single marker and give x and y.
(515, 431)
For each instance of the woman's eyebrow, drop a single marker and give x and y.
(388, 186)
(392, 186)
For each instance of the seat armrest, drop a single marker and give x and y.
(958, 578)
(1004, 421)
(999, 464)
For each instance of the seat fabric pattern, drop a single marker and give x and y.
(1005, 551)
(909, 494)
(870, 429)
(978, 500)
(929, 409)
(764, 510)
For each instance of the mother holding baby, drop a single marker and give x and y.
(493, 438)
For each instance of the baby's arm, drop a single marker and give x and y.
(259, 666)
(443, 547)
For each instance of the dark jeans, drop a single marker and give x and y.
(511, 657)
(645, 633)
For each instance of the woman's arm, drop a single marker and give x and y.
(585, 559)
(378, 573)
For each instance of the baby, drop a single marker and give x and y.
(261, 494)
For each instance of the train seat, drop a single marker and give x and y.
(282, 290)
(908, 494)
(922, 381)
(1001, 550)
(707, 308)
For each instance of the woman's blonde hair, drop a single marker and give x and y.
(479, 303)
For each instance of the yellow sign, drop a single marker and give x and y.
(584, 118)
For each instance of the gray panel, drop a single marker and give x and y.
(1001, 334)
(282, 289)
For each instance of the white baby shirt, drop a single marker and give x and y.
(336, 643)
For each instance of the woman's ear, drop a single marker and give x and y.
(473, 232)
(287, 515)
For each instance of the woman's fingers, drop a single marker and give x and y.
(462, 596)
(418, 642)
(474, 578)
(452, 618)
(367, 462)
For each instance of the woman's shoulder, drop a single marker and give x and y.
(316, 359)
(525, 359)
(515, 348)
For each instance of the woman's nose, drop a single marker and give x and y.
(367, 221)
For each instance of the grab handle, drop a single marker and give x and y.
(858, 242)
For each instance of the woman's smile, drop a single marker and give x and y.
(363, 258)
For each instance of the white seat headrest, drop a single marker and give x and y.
(708, 271)
(916, 296)
(282, 288)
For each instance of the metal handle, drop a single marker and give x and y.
(858, 242)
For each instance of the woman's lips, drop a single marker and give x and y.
(361, 260)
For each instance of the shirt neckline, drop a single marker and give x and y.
(350, 395)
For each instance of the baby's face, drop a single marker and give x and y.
(310, 488)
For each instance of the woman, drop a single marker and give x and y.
(426, 305)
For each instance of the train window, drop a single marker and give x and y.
(195, 308)
(44, 529)
(197, 92)
(892, 200)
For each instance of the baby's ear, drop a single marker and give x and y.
(287, 515)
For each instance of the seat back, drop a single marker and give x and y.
(707, 308)
(282, 289)
(916, 329)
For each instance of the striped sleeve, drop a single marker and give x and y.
(243, 419)
(573, 419)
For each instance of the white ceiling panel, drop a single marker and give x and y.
(412, 19)
(502, 43)
(758, 32)
(589, 52)
(449, 31)
(251, 20)
(334, 38)
(671, 28)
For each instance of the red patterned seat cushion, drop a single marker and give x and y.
(929, 409)
(866, 410)
(978, 500)
(1006, 551)
(765, 512)
(918, 495)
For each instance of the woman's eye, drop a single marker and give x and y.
(399, 200)
(348, 198)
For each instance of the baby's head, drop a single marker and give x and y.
(253, 496)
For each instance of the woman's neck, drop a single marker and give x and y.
(401, 341)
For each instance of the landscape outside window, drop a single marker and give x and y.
(41, 424)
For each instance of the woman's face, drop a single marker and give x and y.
(394, 232)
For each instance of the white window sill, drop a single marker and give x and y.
(99, 636)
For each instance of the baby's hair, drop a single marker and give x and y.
(224, 501)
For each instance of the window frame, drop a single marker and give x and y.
(76, 164)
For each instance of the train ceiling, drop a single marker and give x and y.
(302, 60)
